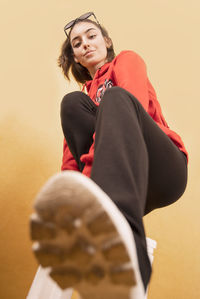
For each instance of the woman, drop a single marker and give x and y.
(126, 161)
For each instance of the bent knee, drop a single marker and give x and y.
(119, 94)
(114, 90)
(70, 100)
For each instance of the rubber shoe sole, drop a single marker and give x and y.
(84, 239)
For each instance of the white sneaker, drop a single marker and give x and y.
(85, 240)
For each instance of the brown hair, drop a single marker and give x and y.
(66, 59)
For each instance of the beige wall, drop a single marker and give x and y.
(166, 34)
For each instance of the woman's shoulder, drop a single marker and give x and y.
(127, 53)
(128, 56)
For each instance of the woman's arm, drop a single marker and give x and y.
(68, 161)
(130, 73)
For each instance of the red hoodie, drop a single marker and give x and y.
(126, 70)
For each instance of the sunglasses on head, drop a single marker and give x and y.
(83, 17)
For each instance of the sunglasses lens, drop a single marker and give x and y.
(70, 24)
(83, 17)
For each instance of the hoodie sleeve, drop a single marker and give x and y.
(130, 73)
(68, 161)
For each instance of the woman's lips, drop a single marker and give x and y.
(89, 52)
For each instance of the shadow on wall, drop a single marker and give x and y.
(27, 160)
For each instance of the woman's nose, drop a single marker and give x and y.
(85, 43)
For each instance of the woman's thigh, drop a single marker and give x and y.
(167, 177)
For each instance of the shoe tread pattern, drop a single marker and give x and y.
(76, 238)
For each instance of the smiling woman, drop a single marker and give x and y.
(89, 46)
(120, 161)
(66, 60)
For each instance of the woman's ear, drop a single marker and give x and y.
(75, 59)
(108, 42)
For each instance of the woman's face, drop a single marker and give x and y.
(89, 46)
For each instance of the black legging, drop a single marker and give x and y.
(135, 162)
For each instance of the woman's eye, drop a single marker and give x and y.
(92, 36)
(77, 45)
